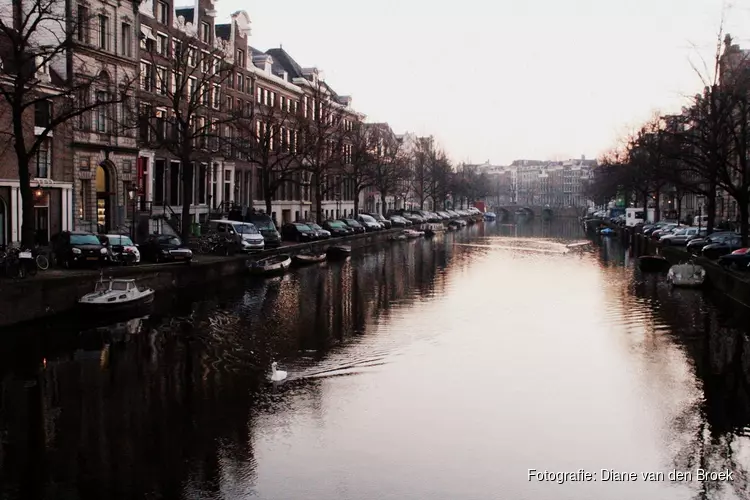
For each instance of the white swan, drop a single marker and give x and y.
(277, 375)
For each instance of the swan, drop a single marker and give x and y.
(277, 375)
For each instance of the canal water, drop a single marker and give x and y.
(429, 369)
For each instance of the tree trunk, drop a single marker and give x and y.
(383, 208)
(711, 207)
(187, 198)
(318, 198)
(356, 202)
(657, 207)
(645, 208)
(679, 208)
(28, 234)
(268, 192)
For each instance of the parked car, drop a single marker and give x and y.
(398, 221)
(77, 248)
(695, 245)
(356, 226)
(369, 223)
(681, 236)
(413, 218)
(124, 246)
(337, 228)
(721, 246)
(664, 230)
(242, 236)
(739, 259)
(165, 248)
(453, 214)
(322, 234)
(296, 231)
(264, 223)
(378, 217)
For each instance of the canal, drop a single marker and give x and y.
(428, 369)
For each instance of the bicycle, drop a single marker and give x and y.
(42, 261)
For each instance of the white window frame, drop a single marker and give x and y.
(159, 37)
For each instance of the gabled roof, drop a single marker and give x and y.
(285, 62)
(186, 12)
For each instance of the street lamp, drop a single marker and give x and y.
(131, 196)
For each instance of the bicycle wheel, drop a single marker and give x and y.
(42, 262)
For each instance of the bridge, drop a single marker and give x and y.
(509, 211)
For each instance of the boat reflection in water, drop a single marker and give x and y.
(178, 405)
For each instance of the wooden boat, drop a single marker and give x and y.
(117, 296)
(397, 237)
(433, 229)
(457, 223)
(338, 252)
(411, 233)
(653, 264)
(686, 275)
(308, 257)
(276, 264)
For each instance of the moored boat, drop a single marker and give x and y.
(338, 252)
(686, 275)
(397, 237)
(308, 257)
(276, 264)
(433, 229)
(653, 264)
(117, 296)
(412, 233)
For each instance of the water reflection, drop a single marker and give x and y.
(177, 405)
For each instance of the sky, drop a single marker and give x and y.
(509, 79)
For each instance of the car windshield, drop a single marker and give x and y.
(378, 217)
(264, 224)
(246, 229)
(84, 239)
(314, 226)
(303, 227)
(117, 239)
(169, 240)
(680, 232)
(367, 218)
(352, 222)
(336, 224)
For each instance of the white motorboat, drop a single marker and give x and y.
(275, 264)
(433, 229)
(308, 257)
(686, 275)
(116, 295)
(413, 233)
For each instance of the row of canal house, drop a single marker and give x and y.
(98, 175)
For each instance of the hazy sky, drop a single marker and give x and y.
(504, 80)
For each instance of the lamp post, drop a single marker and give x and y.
(132, 196)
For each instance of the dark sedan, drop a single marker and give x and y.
(739, 259)
(337, 228)
(695, 246)
(75, 248)
(296, 231)
(165, 248)
(320, 233)
(356, 226)
(722, 246)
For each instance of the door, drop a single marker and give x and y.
(3, 223)
(41, 225)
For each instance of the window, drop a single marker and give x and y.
(281, 101)
(265, 97)
(205, 62)
(103, 32)
(126, 40)
(240, 82)
(101, 112)
(162, 44)
(205, 94)
(239, 106)
(216, 98)
(192, 89)
(192, 56)
(162, 12)
(82, 33)
(259, 95)
(177, 49)
(147, 80)
(240, 58)
(83, 120)
(161, 124)
(43, 158)
(217, 66)
(206, 32)
(273, 99)
(42, 114)
(249, 86)
(162, 80)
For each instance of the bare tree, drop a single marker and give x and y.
(389, 165)
(182, 112)
(421, 156)
(321, 143)
(358, 169)
(268, 136)
(438, 181)
(37, 41)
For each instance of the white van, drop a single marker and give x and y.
(635, 216)
(248, 235)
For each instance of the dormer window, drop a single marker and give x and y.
(240, 58)
(162, 12)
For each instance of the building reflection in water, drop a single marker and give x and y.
(164, 407)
